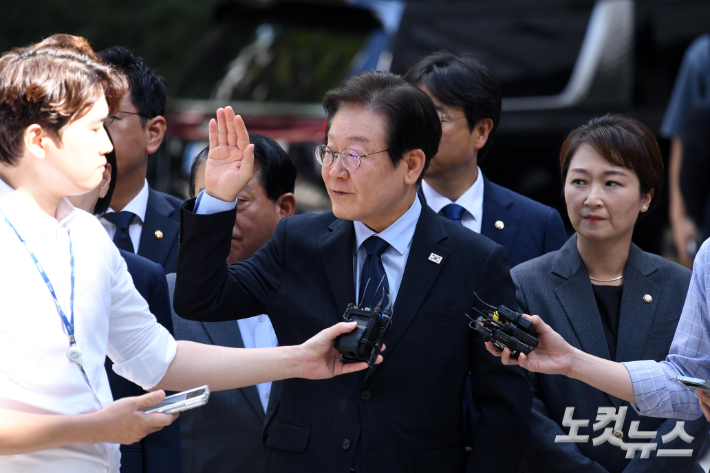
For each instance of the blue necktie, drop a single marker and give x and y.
(454, 212)
(122, 220)
(373, 271)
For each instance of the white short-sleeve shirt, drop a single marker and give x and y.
(110, 317)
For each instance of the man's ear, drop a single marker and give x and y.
(414, 160)
(34, 139)
(483, 128)
(155, 131)
(105, 181)
(286, 205)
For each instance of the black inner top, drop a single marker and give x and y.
(609, 304)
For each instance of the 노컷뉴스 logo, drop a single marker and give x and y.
(615, 435)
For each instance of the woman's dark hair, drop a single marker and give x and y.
(462, 81)
(104, 203)
(411, 121)
(272, 166)
(623, 141)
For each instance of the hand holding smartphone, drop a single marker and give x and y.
(180, 402)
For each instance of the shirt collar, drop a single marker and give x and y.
(139, 204)
(398, 235)
(30, 220)
(471, 200)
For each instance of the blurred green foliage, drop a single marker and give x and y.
(163, 32)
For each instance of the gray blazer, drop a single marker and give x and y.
(556, 287)
(226, 434)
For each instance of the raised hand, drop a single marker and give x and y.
(230, 163)
(553, 354)
(321, 360)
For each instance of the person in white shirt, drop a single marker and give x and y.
(66, 299)
(210, 442)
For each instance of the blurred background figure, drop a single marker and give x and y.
(140, 219)
(692, 88)
(695, 169)
(159, 452)
(605, 296)
(226, 434)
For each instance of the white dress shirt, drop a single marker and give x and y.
(110, 317)
(138, 206)
(471, 201)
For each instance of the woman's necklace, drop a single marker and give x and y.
(606, 280)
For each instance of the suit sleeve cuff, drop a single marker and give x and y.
(205, 204)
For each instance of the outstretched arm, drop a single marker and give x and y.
(554, 355)
(230, 368)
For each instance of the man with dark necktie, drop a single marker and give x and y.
(405, 415)
(468, 100)
(140, 220)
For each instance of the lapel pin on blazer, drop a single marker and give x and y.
(435, 258)
(500, 225)
(158, 234)
(647, 298)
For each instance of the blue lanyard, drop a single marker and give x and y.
(69, 325)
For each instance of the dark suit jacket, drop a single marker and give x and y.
(159, 451)
(226, 434)
(408, 409)
(530, 229)
(162, 214)
(557, 287)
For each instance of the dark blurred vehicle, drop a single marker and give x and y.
(273, 61)
(559, 62)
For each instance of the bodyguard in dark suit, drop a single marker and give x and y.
(468, 100)
(226, 435)
(405, 415)
(159, 451)
(606, 297)
(140, 220)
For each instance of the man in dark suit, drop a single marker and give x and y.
(225, 436)
(140, 220)
(404, 415)
(468, 99)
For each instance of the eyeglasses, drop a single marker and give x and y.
(449, 117)
(112, 116)
(349, 157)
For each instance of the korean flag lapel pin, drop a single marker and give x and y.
(435, 258)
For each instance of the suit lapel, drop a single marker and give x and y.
(498, 208)
(157, 217)
(576, 297)
(274, 398)
(419, 275)
(336, 249)
(227, 334)
(636, 316)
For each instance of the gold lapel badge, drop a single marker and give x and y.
(500, 225)
(647, 298)
(158, 234)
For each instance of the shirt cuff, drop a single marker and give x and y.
(205, 204)
(149, 367)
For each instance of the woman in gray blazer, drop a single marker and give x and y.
(609, 298)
